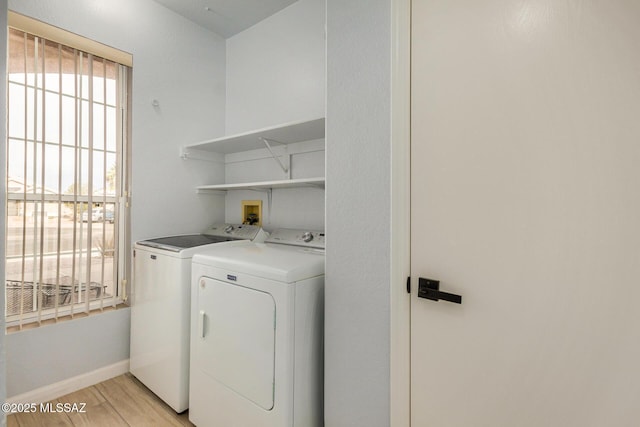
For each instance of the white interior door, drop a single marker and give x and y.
(526, 201)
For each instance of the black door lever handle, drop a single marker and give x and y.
(430, 289)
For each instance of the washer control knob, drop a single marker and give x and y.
(228, 229)
(307, 236)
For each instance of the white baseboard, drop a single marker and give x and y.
(55, 390)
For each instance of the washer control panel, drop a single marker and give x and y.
(289, 236)
(237, 231)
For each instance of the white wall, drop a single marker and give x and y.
(41, 356)
(276, 75)
(3, 210)
(292, 207)
(183, 67)
(276, 69)
(357, 295)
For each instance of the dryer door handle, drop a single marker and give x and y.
(201, 322)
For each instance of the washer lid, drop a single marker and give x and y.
(281, 263)
(177, 243)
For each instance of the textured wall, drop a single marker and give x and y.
(48, 354)
(291, 207)
(358, 213)
(276, 75)
(275, 69)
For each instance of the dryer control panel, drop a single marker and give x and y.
(305, 238)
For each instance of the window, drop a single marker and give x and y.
(66, 178)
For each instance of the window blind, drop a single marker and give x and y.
(66, 153)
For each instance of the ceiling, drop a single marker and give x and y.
(226, 17)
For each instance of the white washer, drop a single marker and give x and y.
(257, 333)
(160, 307)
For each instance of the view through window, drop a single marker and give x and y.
(65, 165)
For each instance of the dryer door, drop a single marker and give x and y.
(236, 339)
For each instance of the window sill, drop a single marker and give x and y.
(35, 324)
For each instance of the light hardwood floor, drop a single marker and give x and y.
(120, 401)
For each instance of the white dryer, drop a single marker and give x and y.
(257, 333)
(160, 307)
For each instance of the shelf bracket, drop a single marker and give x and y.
(193, 154)
(266, 143)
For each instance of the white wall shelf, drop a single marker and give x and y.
(221, 149)
(264, 185)
(285, 134)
